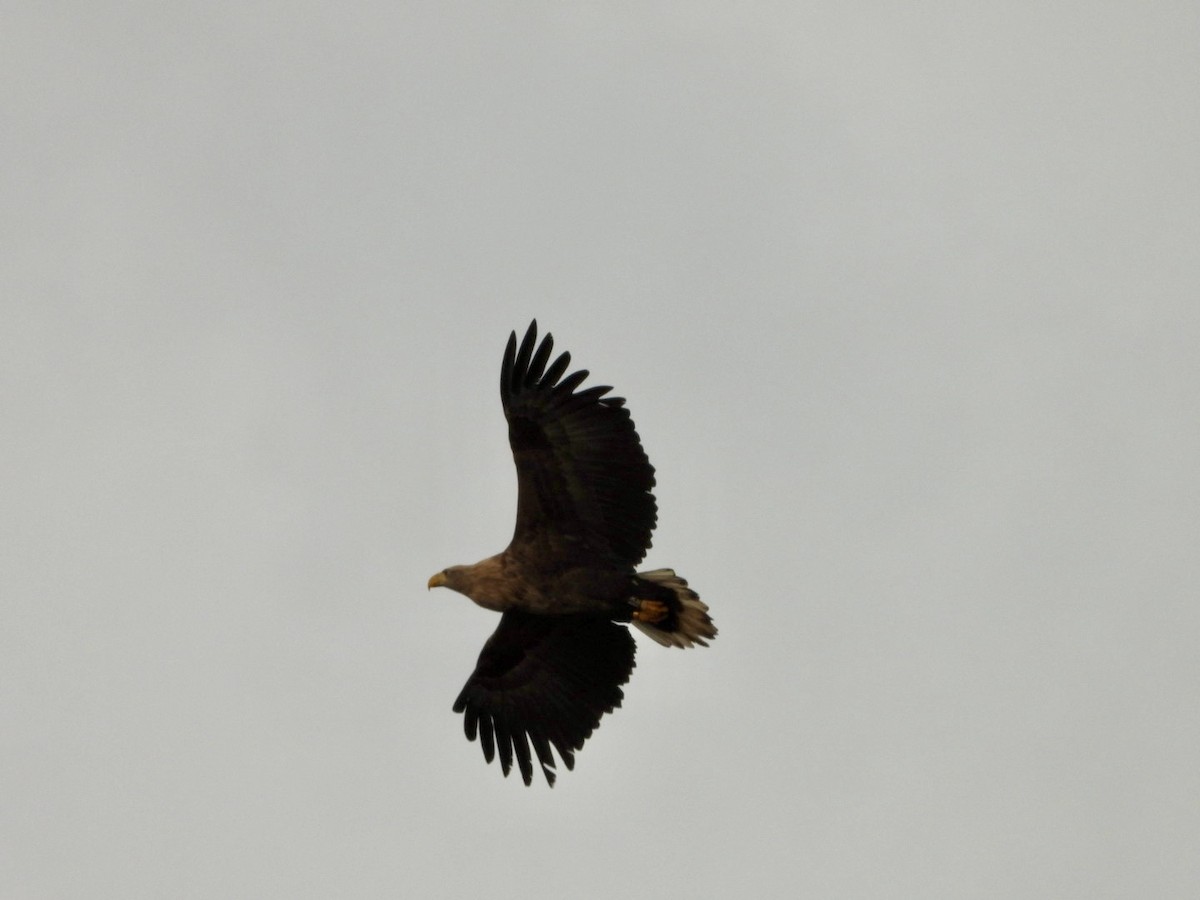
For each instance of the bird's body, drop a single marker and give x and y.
(504, 582)
(585, 513)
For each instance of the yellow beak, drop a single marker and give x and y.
(437, 580)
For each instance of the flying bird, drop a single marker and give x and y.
(567, 583)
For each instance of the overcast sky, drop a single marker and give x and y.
(904, 301)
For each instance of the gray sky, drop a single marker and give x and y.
(904, 301)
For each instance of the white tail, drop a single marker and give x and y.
(692, 624)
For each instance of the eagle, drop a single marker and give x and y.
(567, 584)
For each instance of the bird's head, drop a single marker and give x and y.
(451, 578)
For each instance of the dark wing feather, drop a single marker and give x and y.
(544, 681)
(581, 472)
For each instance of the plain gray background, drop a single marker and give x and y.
(904, 301)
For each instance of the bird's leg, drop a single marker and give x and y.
(649, 611)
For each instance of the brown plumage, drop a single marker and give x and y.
(585, 512)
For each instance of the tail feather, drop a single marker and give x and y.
(688, 623)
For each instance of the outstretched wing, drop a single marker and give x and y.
(581, 472)
(544, 681)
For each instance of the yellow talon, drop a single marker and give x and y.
(650, 611)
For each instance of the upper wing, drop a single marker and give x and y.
(581, 470)
(544, 680)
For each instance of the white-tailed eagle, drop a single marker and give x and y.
(567, 581)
